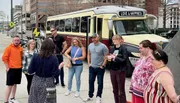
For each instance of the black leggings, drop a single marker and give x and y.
(29, 80)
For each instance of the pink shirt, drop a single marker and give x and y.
(142, 72)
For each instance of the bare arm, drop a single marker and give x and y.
(89, 58)
(106, 52)
(7, 67)
(67, 52)
(64, 47)
(168, 83)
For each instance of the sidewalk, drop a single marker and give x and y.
(22, 96)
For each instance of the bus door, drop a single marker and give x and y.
(99, 27)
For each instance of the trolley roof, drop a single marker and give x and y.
(110, 9)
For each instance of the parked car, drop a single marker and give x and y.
(169, 34)
(23, 31)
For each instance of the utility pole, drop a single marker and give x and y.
(164, 13)
(21, 24)
(37, 14)
(7, 25)
(11, 10)
(25, 13)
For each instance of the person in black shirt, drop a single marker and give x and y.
(61, 46)
(118, 58)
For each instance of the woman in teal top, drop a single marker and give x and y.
(77, 54)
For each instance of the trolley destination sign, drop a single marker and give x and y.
(131, 13)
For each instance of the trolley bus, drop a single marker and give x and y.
(130, 22)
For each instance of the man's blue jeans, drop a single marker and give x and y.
(77, 70)
(93, 72)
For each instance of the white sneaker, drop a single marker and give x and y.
(88, 99)
(13, 101)
(98, 99)
(67, 93)
(77, 94)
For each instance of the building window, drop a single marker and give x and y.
(68, 25)
(43, 3)
(99, 0)
(27, 15)
(75, 24)
(104, 1)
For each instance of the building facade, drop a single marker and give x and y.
(152, 6)
(26, 15)
(40, 9)
(17, 12)
(140, 3)
(172, 18)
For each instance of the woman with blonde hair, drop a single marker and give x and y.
(27, 56)
(118, 60)
(77, 55)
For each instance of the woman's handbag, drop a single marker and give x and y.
(69, 62)
(51, 92)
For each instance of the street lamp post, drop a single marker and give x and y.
(11, 10)
(21, 24)
(7, 26)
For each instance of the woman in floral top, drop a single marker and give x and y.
(142, 72)
(27, 56)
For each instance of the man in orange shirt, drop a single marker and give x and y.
(12, 59)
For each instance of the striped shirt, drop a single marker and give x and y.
(27, 56)
(154, 92)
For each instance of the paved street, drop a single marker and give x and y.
(22, 96)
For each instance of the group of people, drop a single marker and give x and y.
(152, 81)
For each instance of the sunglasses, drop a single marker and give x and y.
(52, 30)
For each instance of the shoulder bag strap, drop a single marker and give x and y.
(76, 52)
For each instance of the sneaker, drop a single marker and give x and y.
(67, 93)
(98, 99)
(77, 94)
(88, 99)
(13, 100)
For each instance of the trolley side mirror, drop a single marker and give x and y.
(110, 24)
(155, 23)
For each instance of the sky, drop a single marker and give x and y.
(5, 5)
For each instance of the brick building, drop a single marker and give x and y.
(152, 6)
